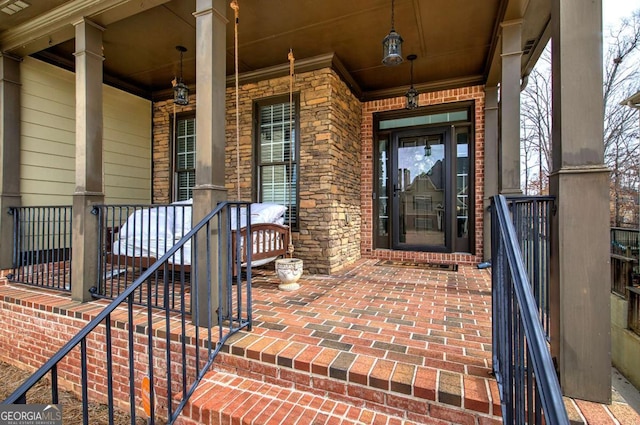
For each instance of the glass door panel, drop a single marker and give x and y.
(462, 191)
(419, 192)
(383, 207)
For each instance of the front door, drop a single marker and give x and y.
(420, 190)
(423, 195)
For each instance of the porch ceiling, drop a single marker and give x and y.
(456, 41)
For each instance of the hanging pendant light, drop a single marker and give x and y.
(412, 93)
(392, 45)
(180, 89)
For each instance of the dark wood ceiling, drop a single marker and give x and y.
(454, 40)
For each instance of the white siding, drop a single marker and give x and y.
(47, 169)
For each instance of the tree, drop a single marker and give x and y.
(621, 145)
(536, 125)
(620, 122)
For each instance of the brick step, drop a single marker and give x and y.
(223, 398)
(381, 385)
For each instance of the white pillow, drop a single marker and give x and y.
(266, 212)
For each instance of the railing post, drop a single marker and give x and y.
(14, 213)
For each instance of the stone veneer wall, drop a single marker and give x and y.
(330, 168)
(161, 157)
(476, 94)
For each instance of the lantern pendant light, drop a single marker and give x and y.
(180, 89)
(412, 93)
(392, 44)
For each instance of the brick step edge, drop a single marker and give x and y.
(407, 387)
(223, 398)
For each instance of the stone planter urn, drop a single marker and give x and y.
(289, 270)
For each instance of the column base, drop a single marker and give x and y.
(580, 283)
(205, 199)
(6, 229)
(84, 242)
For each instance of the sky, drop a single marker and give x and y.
(614, 10)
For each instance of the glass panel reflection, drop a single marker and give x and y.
(462, 186)
(421, 190)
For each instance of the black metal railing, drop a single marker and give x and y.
(42, 246)
(531, 216)
(634, 309)
(624, 241)
(624, 259)
(622, 275)
(529, 388)
(126, 345)
(131, 239)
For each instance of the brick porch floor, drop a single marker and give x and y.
(381, 344)
(371, 344)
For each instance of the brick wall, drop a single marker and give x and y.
(30, 333)
(476, 94)
(329, 231)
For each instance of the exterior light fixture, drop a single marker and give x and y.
(180, 89)
(412, 93)
(392, 45)
(427, 150)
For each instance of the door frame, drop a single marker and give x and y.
(385, 134)
(395, 137)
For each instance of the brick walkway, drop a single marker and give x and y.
(372, 344)
(397, 344)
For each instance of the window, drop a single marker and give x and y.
(185, 158)
(277, 155)
(445, 117)
(422, 203)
